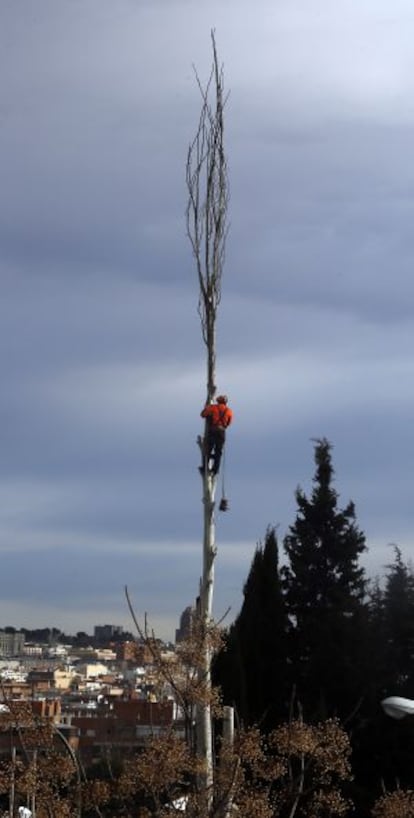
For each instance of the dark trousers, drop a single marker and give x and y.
(213, 447)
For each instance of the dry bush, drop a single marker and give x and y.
(255, 778)
(96, 794)
(399, 804)
(39, 772)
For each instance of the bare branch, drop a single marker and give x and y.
(208, 198)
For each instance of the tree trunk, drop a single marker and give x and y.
(207, 184)
(204, 722)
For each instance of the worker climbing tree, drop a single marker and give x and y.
(208, 196)
(218, 417)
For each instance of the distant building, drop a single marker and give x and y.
(105, 633)
(41, 680)
(186, 624)
(33, 650)
(91, 670)
(124, 726)
(11, 644)
(63, 678)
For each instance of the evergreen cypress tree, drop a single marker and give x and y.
(252, 668)
(399, 624)
(325, 588)
(383, 749)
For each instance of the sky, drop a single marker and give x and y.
(103, 368)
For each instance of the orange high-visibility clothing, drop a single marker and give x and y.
(218, 414)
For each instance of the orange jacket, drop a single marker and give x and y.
(218, 414)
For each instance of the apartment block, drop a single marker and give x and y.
(11, 644)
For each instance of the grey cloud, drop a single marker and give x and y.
(103, 371)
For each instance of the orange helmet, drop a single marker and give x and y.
(222, 399)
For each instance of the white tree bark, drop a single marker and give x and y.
(207, 185)
(204, 722)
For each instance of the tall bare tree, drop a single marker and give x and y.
(207, 226)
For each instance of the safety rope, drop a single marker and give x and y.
(223, 469)
(224, 503)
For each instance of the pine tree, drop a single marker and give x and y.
(252, 668)
(325, 587)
